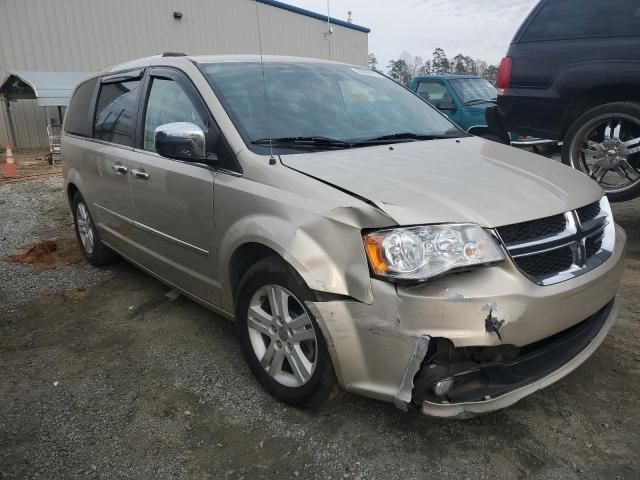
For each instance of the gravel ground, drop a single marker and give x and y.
(23, 206)
(102, 376)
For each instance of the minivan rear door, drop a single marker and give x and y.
(173, 199)
(112, 151)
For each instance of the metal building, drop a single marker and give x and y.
(89, 35)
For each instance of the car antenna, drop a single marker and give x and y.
(272, 159)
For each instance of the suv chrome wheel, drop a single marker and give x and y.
(606, 148)
(85, 228)
(282, 336)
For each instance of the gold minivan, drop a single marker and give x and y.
(353, 233)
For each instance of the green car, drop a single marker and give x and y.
(464, 99)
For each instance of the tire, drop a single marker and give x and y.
(96, 252)
(493, 137)
(264, 281)
(588, 139)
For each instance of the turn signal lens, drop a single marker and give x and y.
(373, 246)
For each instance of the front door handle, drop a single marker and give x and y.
(119, 168)
(140, 174)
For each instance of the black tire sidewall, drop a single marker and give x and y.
(625, 108)
(273, 271)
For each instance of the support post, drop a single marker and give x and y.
(12, 131)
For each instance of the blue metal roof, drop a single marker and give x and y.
(318, 16)
(49, 88)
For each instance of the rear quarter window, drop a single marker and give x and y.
(564, 19)
(117, 111)
(79, 117)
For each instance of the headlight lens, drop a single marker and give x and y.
(420, 253)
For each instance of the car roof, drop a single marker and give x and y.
(157, 60)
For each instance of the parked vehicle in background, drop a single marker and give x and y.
(572, 73)
(464, 99)
(348, 228)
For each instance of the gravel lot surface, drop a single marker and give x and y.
(101, 376)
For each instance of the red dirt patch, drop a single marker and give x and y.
(49, 254)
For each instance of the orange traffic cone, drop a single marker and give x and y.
(10, 170)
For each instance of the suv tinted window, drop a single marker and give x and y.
(78, 120)
(116, 112)
(576, 18)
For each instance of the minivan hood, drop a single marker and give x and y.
(454, 180)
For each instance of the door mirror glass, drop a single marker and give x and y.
(181, 141)
(446, 106)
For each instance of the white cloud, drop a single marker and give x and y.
(478, 28)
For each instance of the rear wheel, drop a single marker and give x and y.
(88, 238)
(604, 143)
(279, 336)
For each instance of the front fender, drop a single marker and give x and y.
(326, 252)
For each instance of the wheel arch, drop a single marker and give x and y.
(326, 266)
(596, 96)
(478, 130)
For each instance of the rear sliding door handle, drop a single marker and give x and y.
(119, 168)
(140, 174)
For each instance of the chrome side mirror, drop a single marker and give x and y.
(181, 141)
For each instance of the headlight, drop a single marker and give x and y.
(420, 253)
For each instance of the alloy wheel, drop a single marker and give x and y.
(606, 148)
(85, 228)
(282, 336)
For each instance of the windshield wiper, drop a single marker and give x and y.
(316, 141)
(402, 136)
(475, 101)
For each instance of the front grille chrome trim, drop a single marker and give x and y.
(574, 236)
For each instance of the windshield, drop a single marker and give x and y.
(474, 90)
(321, 103)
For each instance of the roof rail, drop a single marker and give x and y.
(173, 54)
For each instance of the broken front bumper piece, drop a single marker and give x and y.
(473, 380)
(486, 315)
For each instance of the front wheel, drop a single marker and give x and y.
(279, 336)
(604, 143)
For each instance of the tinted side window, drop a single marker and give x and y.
(434, 92)
(169, 101)
(576, 18)
(79, 118)
(116, 112)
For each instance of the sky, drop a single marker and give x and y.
(481, 29)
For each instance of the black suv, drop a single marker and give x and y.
(572, 73)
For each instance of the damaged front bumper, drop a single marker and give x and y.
(503, 337)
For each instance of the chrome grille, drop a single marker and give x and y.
(553, 249)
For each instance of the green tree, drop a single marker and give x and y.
(459, 65)
(440, 64)
(373, 61)
(491, 74)
(399, 71)
(424, 69)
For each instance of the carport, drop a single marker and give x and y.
(50, 89)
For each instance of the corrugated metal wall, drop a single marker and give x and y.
(89, 35)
